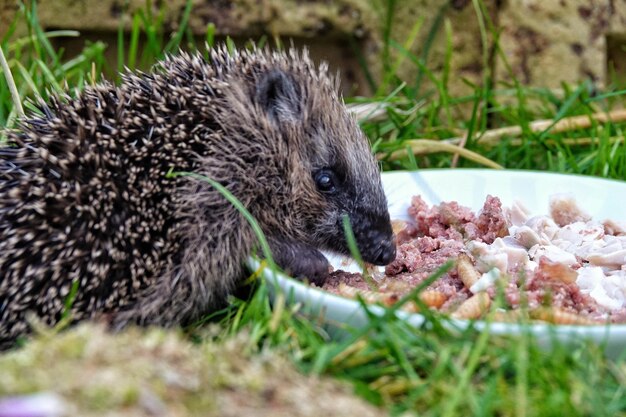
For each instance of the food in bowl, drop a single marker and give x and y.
(563, 267)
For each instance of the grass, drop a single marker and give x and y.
(412, 124)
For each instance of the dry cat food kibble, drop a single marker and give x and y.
(564, 267)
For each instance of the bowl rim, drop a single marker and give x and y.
(601, 333)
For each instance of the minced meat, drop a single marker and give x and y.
(442, 232)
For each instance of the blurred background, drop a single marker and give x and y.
(540, 43)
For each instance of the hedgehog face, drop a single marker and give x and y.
(347, 179)
(364, 204)
(341, 177)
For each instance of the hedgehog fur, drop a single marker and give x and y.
(86, 202)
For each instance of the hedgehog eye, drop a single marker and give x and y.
(325, 181)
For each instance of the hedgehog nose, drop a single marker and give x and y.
(387, 252)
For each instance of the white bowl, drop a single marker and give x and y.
(602, 199)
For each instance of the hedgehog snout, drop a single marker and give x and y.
(386, 252)
(383, 250)
(374, 237)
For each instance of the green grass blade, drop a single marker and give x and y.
(17, 101)
(265, 247)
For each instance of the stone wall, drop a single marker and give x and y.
(544, 42)
(547, 42)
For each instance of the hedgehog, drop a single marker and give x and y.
(93, 225)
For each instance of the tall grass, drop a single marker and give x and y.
(422, 108)
(433, 370)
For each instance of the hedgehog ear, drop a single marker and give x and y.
(278, 94)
